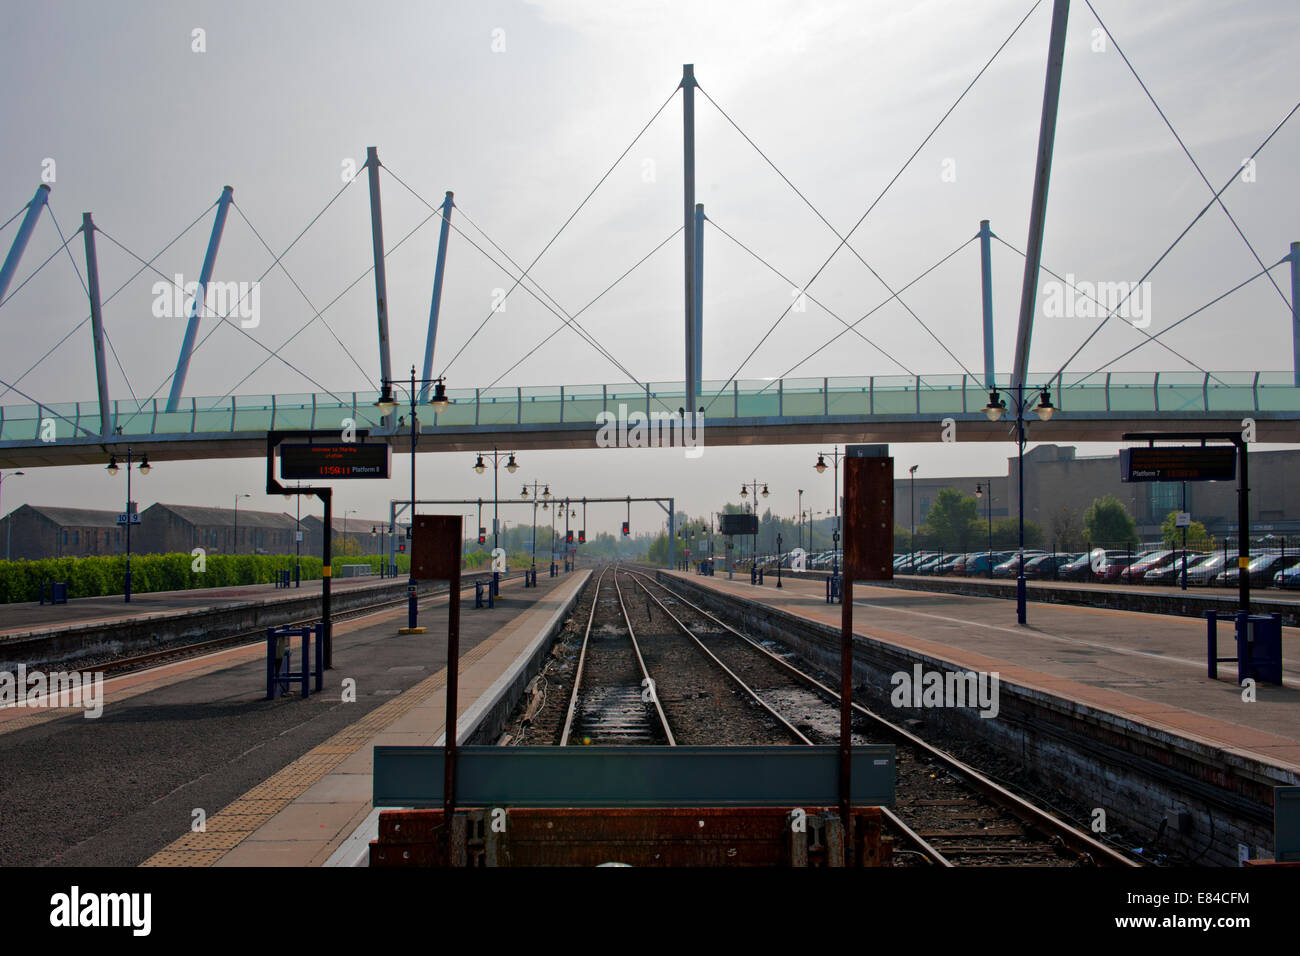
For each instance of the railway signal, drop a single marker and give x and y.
(482, 535)
(626, 532)
(582, 536)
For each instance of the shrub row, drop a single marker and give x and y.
(101, 575)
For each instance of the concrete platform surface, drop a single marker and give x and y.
(198, 736)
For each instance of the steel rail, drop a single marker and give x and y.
(794, 731)
(1029, 814)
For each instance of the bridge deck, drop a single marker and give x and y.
(779, 411)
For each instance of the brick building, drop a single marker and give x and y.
(165, 529)
(1056, 478)
(356, 529)
(30, 532)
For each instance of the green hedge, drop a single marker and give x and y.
(91, 577)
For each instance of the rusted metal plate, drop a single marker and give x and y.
(868, 516)
(435, 547)
(700, 836)
(632, 776)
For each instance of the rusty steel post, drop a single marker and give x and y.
(846, 699)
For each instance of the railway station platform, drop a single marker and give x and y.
(317, 810)
(275, 779)
(32, 633)
(1131, 687)
(32, 616)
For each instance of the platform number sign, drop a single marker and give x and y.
(499, 559)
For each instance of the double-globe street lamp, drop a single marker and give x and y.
(387, 404)
(1044, 410)
(545, 498)
(511, 466)
(144, 470)
(744, 493)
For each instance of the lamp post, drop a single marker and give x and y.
(988, 510)
(112, 470)
(835, 536)
(480, 467)
(911, 564)
(545, 498)
(778, 559)
(297, 537)
(9, 525)
(235, 546)
(346, 512)
(1044, 410)
(387, 404)
(800, 513)
(744, 493)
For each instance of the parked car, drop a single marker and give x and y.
(1171, 570)
(1046, 566)
(1010, 568)
(1078, 569)
(1263, 568)
(1203, 573)
(1108, 566)
(978, 564)
(1288, 577)
(1143, 563)
(946, 565)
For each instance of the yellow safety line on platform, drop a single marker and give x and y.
(241, 818)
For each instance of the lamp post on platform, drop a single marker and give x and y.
(835, 538)
(744, 493)
(1044, 410)
(387, 404)
(112, 470)
(511, 466)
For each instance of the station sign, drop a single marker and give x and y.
(738, 524)
(1178, 463)
(335, 459)
(869, 513)
(435, 548)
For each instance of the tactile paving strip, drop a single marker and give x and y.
(235, 822)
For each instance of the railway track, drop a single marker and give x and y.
(179, 652)
(947, 812)
(613, 699)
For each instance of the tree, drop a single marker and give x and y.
(1198, 539)
(1067, 532)
(1107, 524)
(952, 522)
(902, 539)
(658, 553)
(1006, 534)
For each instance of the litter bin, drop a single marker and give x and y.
(1259, 647)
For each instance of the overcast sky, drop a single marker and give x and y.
(520, 108)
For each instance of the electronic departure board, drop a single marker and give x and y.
(738, 524)
(1178, 463)
(334, 459)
